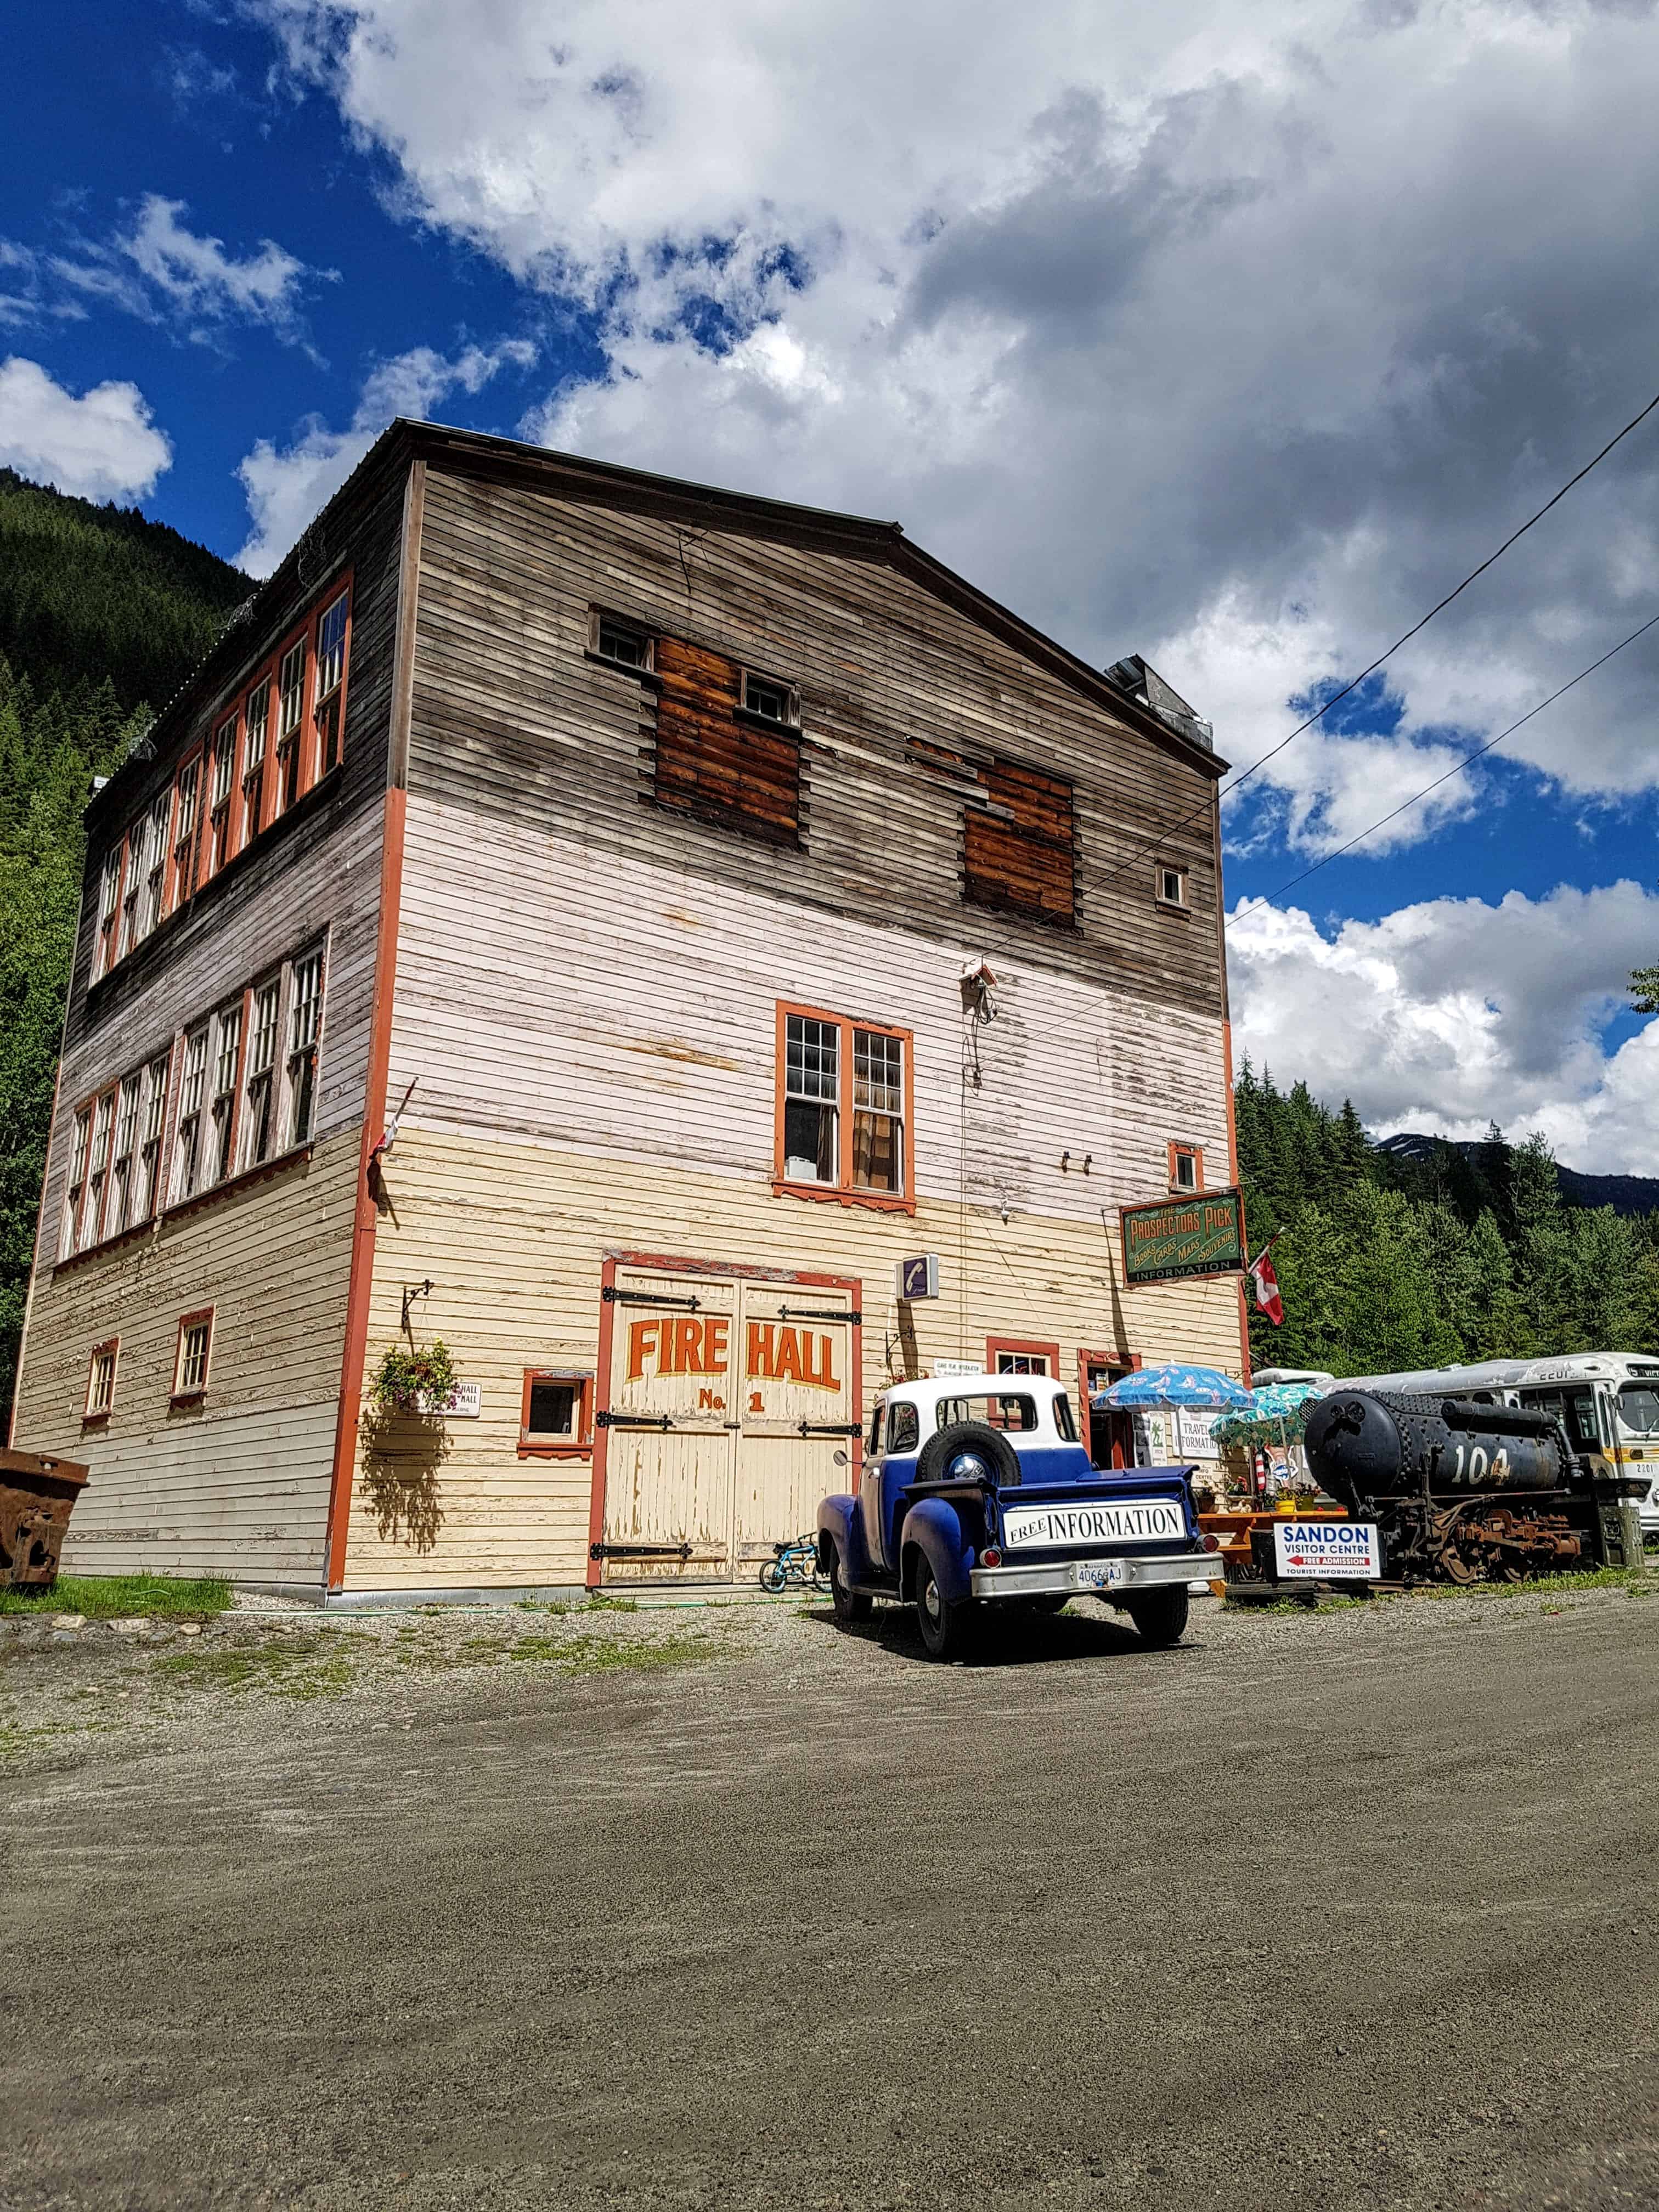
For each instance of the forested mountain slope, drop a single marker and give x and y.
(102, 615)
(1391, 1260)
(89, 593)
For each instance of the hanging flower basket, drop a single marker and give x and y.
(414, 1380)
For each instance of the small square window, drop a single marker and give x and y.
(621, 642)
(1186, 1168)
(773, 702)
(557, 1415)
(1171, 886)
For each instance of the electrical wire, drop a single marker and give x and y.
(1244, 775)
(1271, 898)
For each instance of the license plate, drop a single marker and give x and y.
(1100, 1574)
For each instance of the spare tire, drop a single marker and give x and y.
(965, 1440)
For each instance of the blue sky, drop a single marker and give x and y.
(1112, 311)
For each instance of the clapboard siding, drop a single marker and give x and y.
(513, 1236)
(242, 1484)
(641, 1022)
(511, 719)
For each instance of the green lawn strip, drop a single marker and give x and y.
(123, 1597)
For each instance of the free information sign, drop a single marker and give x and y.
(1329, 1551)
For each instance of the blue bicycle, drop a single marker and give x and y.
(796, 1563)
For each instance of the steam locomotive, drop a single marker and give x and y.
(1465, 1490)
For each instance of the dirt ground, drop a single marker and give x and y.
(724, 1907)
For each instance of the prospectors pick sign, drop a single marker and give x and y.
(1179, 1237)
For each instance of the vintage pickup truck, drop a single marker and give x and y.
(975, 1492)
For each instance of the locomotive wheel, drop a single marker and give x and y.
(1456, 1568)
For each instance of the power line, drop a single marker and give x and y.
(1169, 830)
(1406, 804)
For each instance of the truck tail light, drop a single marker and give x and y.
(990, 1557)
(1212, 1543)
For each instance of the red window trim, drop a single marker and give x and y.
(240, 833)
(89, 1419)
(177, 1396)
(1027, 1347)
(842, 1192)
(1181, 1190)
(580, 1444)
(1127, 1360)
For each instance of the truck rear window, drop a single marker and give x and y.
(996, 1411)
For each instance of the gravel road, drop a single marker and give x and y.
(726, 1907)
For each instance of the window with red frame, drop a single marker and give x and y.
(221, 778)
(331, 682)
(100, 1380)
(1186, 1168)
(190, 1361)
(256, 746)
(843, 1107)
(186, 811)
(556, 1418)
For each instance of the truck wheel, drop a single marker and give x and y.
(849, 1606)
(943, 1626)
(1160, 1617)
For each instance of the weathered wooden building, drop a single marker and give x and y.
(735, 902)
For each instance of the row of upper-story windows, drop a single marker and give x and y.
(728, 752)
(281, 733)
(232, 1092)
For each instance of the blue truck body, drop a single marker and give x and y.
(976, 1492)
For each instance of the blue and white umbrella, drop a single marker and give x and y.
(1174, 1385)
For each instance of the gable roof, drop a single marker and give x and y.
(572, 476)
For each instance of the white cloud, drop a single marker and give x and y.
(1444, 1014)
(102, 446)
(1233, 335)
(286, 486)
(160, 268)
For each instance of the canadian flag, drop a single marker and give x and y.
(1267, 1286)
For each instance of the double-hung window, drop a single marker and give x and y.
(152, 1114)
(121, 1173)
(222, 774)
(843, 1102)
(109, 903)
(192, 1355)
(290, 723)
(185, 818)
(133, 888)
(192, 1089)
(305, 1022)
(100, 1380)
(77, 1182)
(1186, 1167)
(103, 1122)
(330, 681)
(155, 863)
(253, 761)
(258, 1100)
(226, 1042)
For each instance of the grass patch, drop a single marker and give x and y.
(607, 1655)
(119, 1597)
(316, 1664)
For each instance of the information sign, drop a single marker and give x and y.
(1178, 1238)
(1328, 1550)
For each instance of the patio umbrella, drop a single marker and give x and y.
(1173, 1384)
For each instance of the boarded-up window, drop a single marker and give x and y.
(712, 764)
(1020, 856)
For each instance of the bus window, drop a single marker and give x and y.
(1638, 1409)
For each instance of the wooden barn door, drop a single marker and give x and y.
(671, 1428)
(796, 1435)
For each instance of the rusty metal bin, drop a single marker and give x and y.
(37, 1496)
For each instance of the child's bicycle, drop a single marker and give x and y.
(796, 1563)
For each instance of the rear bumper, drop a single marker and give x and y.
(1055, 1575)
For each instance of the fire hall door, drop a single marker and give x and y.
(730, 1416)
(798, 1436)
(670, 1443)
